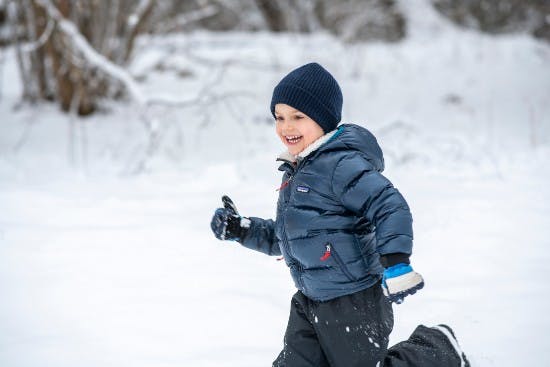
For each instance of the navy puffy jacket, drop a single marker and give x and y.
(336, 215)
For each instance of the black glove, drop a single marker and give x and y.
(227, 224)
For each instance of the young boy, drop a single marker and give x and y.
(345, 233)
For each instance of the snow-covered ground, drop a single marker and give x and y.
(103, 267)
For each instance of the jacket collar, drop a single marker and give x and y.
(287, 157)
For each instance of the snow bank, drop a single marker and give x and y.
(100, 267)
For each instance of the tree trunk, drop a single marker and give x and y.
(273, 15)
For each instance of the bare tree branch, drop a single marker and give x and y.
(41, 41)
(13, 17)
(134, 23)
(190, 17)
(169, 101)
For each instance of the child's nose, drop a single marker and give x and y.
(287, 125)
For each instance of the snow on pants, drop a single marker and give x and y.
(352, 331)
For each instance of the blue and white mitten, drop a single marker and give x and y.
(400, 281)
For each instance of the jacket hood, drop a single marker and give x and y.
(355, 137)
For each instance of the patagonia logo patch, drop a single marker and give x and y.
(302, 189)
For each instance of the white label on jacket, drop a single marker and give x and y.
(302, 189)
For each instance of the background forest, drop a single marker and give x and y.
(123, 122)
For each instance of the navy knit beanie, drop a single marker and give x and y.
(314, 91)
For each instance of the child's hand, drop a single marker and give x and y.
(400, 281)
(227, 224)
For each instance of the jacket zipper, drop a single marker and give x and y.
(285, 239)
(292, 261)
(285, 184)
(331, 251)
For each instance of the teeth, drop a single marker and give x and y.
(293, 139)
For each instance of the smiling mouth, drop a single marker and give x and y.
(293, 139)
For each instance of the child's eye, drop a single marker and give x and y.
(298, 117)
(278, 118)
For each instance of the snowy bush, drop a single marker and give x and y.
(499, 16)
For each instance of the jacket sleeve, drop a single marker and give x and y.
(366, 192)
(261, 237)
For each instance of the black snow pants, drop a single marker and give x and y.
(353, 331)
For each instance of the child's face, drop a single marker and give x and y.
(295, 129)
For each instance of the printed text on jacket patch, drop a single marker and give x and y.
(302, 189)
